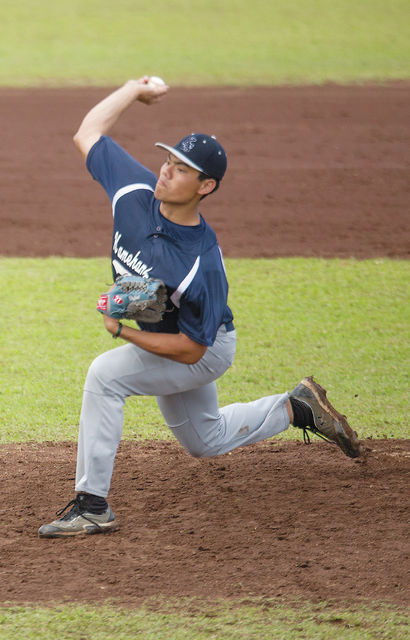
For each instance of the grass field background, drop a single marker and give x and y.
(234, 42)
(346, 321)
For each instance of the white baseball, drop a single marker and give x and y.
(154, 81)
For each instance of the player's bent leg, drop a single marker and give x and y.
(112, 377)
(204, 430)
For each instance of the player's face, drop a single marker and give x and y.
(177, 183)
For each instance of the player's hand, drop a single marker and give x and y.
(150, 94)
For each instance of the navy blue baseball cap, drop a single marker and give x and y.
(201, 152)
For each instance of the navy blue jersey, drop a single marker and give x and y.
(187, 259)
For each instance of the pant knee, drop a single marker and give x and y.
(191, 442)
(195, 453)
(196, 450)
(97, 379)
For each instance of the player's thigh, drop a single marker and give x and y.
(129, 370)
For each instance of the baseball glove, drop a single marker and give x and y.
(134, 298)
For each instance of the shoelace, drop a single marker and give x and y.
(76, 510)
(316, 432)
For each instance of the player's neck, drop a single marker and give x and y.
(186, 215)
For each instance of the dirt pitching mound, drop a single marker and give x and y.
(279, 519)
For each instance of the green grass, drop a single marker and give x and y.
(234, 42)
(258, 620)
(345, 321)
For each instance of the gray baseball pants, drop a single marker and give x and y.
(188, 400)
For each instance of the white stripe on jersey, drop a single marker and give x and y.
(185, 283)
(120, 270)
(124, 190)
(222, 258)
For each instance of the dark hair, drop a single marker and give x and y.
(202, 177)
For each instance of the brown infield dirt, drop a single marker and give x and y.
(313, 171)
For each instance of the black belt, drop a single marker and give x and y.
(229, 326)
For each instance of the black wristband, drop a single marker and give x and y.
(115, 335)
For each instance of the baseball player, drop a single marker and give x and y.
(158, 232)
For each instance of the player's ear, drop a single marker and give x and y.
(206, 186)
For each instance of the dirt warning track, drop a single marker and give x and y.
(312, 171)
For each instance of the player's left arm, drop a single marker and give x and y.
(174, 346)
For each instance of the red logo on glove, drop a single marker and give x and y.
(102, 303)
(117, 299)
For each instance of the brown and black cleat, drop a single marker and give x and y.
(328, 422)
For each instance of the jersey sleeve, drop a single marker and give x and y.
(203, 306)
(115, 169)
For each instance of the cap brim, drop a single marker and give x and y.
(179, 155)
